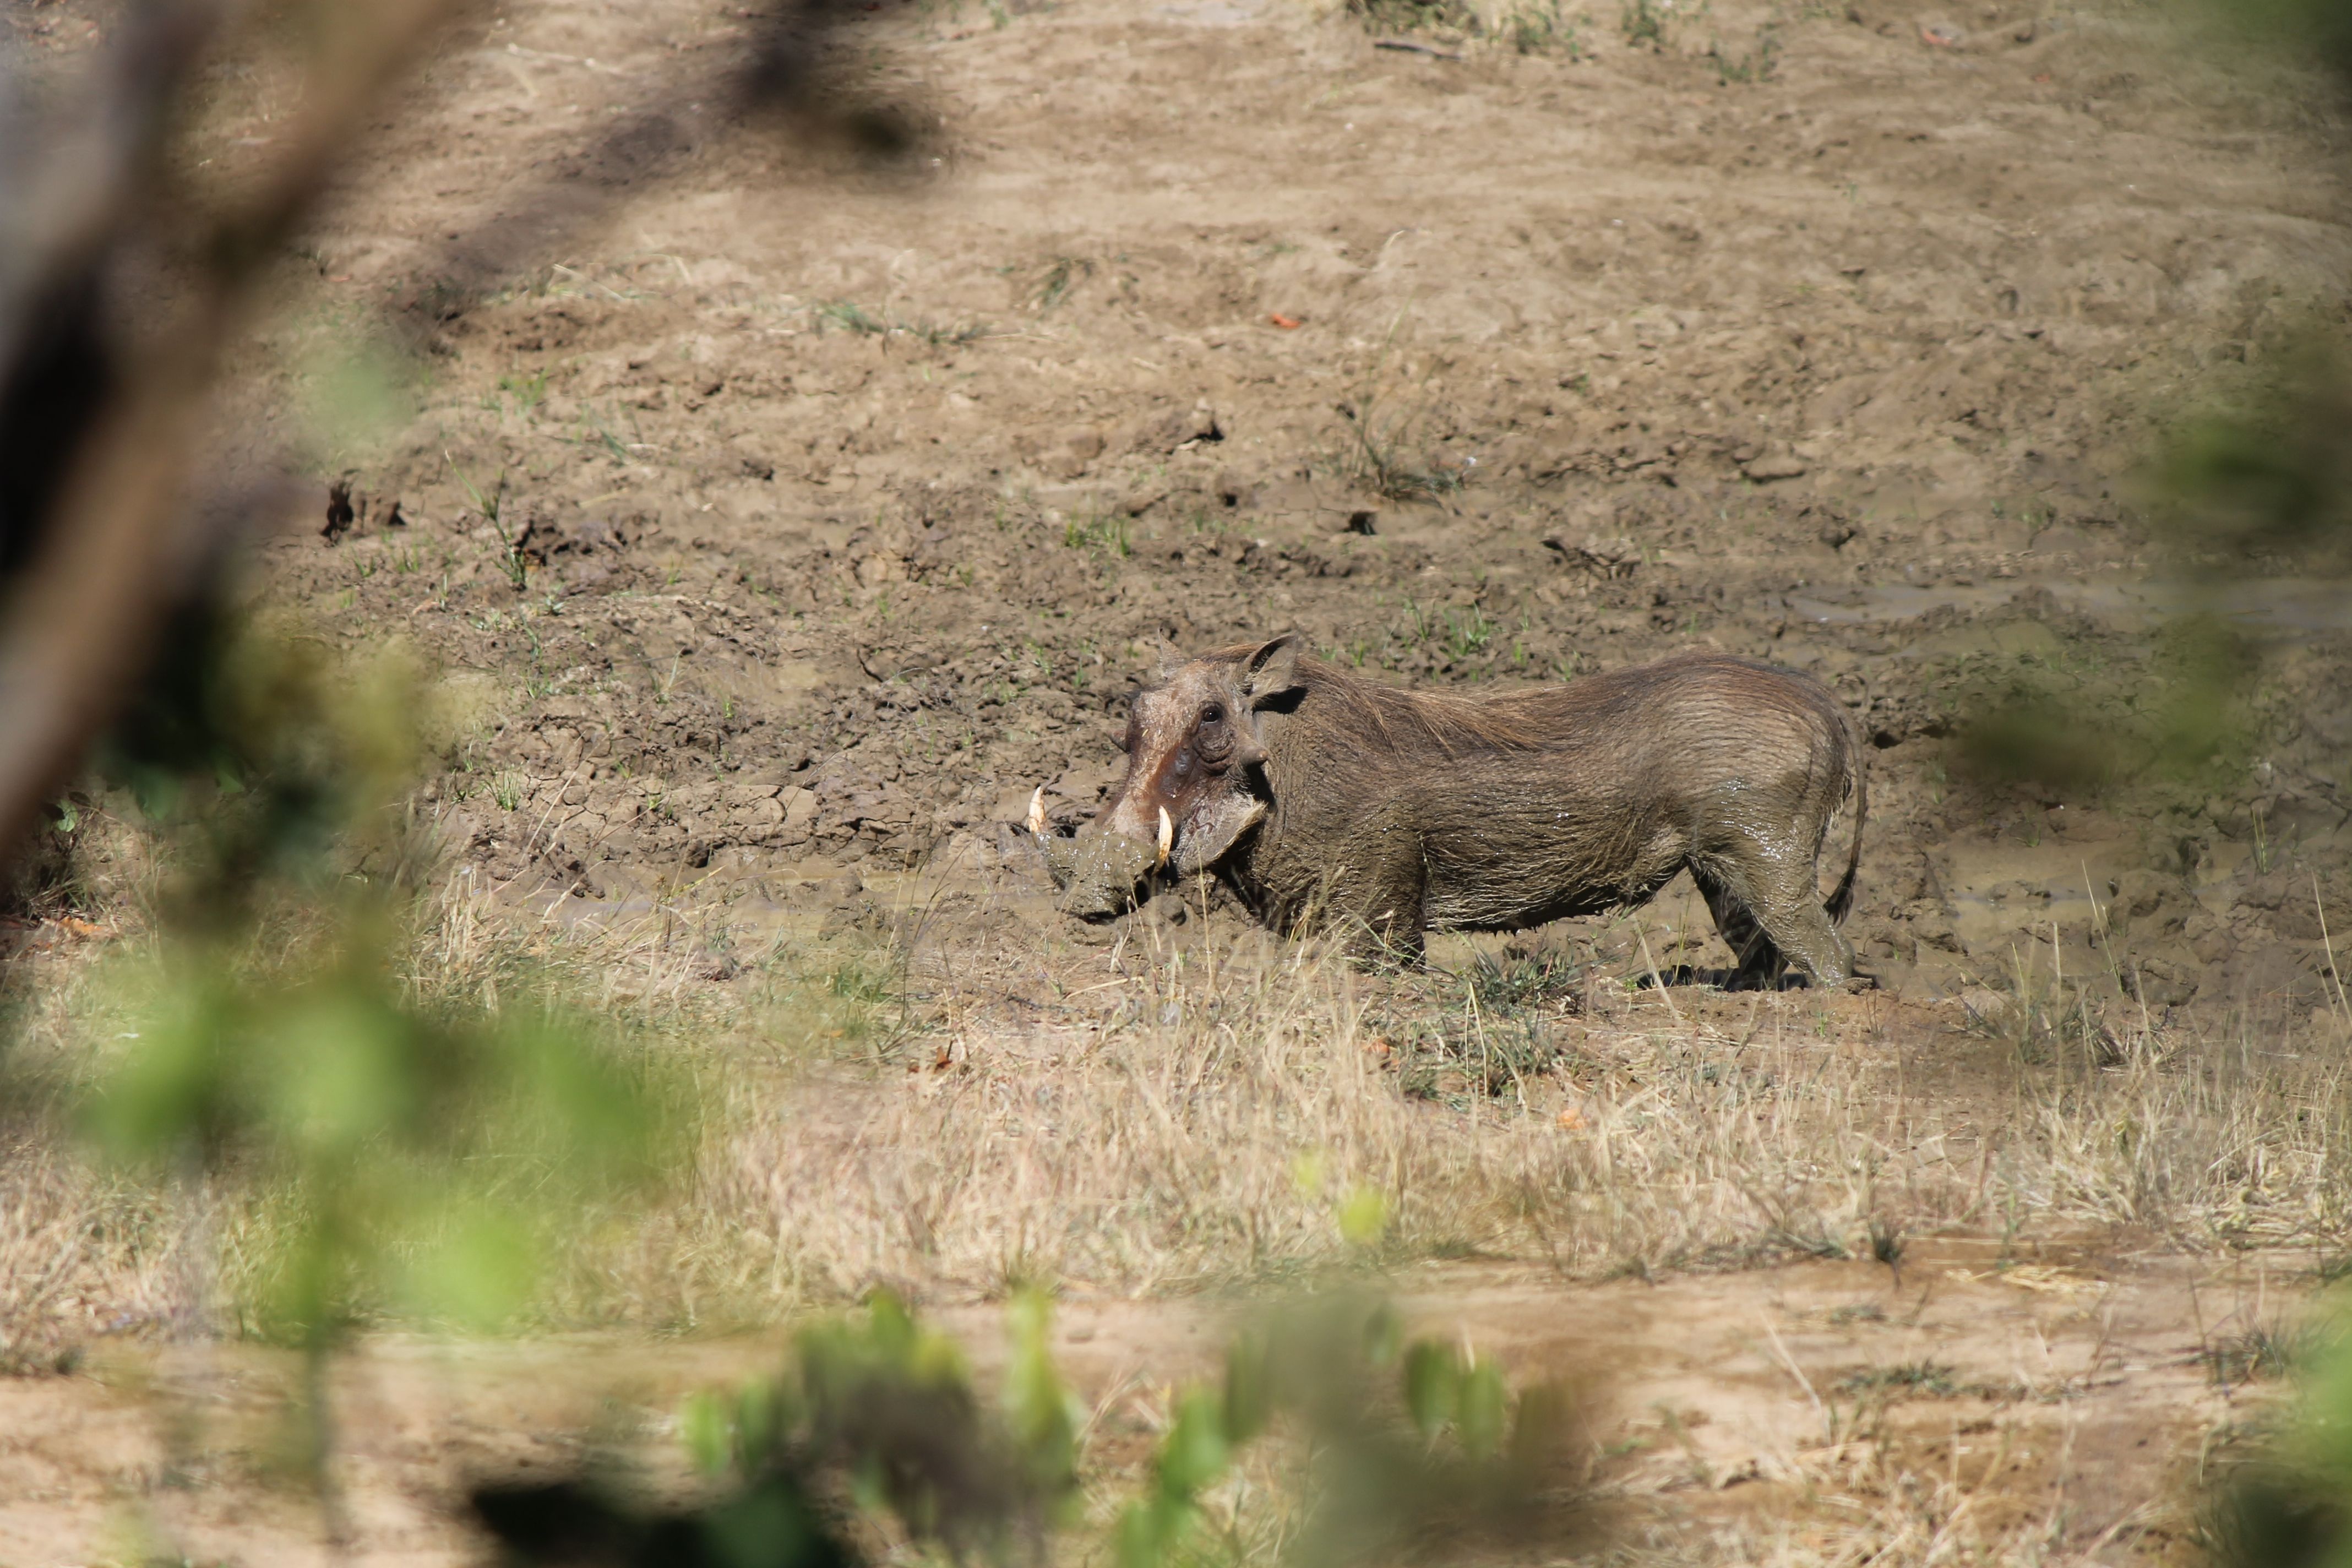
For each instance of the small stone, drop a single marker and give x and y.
(1776, 466)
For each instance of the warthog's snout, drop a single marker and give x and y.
(1100, 871)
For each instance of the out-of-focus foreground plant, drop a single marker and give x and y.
(2285, 1500)
(2249, 505)
(380, 1136)
(395, 1138)
(874, 1437)
(2260, 487)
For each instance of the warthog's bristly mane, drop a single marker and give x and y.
(1461, 723)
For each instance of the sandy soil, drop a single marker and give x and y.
(837, 503)
(2053, 1407)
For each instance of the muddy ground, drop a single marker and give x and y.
(844, 506)
(773, 517)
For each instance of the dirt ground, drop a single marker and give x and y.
(772, 518)
(2048, 1411)
(851, 503)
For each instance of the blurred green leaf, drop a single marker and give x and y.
(1042, 1414)
(1194, 1452)
(1250, 1386)
(1484, 1405)
(705, 1428)
(1433, 1386)
(1364, 1216)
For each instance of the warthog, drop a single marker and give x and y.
(1321, 797)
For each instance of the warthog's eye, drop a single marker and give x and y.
(1212, 714)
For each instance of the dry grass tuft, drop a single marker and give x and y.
(83, 1256)
(1220, 1128)
(1229, 1115)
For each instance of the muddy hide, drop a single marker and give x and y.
(1096, 873)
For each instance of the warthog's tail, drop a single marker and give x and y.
(1857, 804)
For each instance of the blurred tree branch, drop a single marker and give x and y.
(100, 414)
(106, 380)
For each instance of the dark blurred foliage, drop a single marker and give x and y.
(61, 375)
(2175, 713)
(2270, 1516)
(772, 1521)
(2250, 501)
(1409, 1451)
(288, 1039)
(2288, 1502)
(131, 271)
(2260, 487)
(2265, 483)
(392, 1113)
(2313, 31)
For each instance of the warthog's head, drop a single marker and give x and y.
(1194, 781)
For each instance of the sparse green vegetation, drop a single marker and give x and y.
(1062, 275)
(1917, 1377)
(1539, 29)
(1753, 66)
(1378, 455)
(526, 392)
(1101, 534)
(849, 316)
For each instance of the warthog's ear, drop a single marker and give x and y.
(1271, 670)
(1172, 658)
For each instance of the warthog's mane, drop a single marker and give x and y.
(1536, 719)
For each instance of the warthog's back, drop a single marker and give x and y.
(1526, 806)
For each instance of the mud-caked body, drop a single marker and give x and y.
(1323, 798)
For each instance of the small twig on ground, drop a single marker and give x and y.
(1795, 1370)
(2342, 1006)
(1406, 46)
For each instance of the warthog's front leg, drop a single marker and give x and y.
(1770, 919)
(1392, 933)
(1376, 912)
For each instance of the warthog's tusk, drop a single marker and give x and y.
(1037, 812)
(1167, 836)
